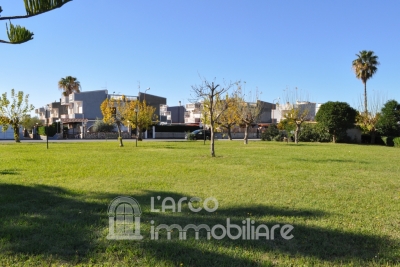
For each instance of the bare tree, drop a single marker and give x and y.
(249, 108)
(298, 110)
(210, 94)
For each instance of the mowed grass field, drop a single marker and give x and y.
(342, 200)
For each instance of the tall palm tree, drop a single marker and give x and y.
(365, 66)
(69, 85)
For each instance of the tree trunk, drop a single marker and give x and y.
(16, 133)
(296, 133)
(246, 136)
(229, 132)
(139, 134)
(119, 135)
(372, 133)
(334, 137)
(365, 99)
(212, 141)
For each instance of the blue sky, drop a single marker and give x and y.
(166, 45)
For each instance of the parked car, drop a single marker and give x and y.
(198, 135)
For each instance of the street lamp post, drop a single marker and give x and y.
(144, 97)
(47, 111)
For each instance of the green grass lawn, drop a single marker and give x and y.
(342, 200)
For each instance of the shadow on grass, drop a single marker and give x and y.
(330, 160)
(52, 222)
(9, 172)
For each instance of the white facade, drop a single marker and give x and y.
(278, 114)
(193, 113)
(164, 113)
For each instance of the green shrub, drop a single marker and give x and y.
(277, 138)
(313, 133)
(52, 130)
(396, 141)
(270, 133)
(190, 136)
(101, 126)
(388, 140)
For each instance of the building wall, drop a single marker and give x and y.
(91, 102)
(177, 114)
(154, 101)
(265, 111)
(9, 134)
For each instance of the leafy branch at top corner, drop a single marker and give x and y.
(18, 34)
(35, 7)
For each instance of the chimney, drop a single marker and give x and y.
(179, 103)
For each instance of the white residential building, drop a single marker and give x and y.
(193, 112)
(278, 114)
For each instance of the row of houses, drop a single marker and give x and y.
(79, 111)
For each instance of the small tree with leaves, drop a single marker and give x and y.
(336, 118)
(231, 116)
(115, 112)
(17, 34)
(145, 116)
(389, 121)
(13, 111)
(29, 122)
(368, 121)
(211, 94)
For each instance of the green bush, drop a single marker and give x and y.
(388, 140)
(313, 133)
(396, 141)
(101, 126)
(278, 138)
(52, 130)
(190, 136)
(270, 133)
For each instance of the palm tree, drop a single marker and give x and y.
(69, 85)
(364, 67)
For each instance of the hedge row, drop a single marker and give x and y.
(391, 141)
(175, 128)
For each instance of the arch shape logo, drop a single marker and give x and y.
(124, 219)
